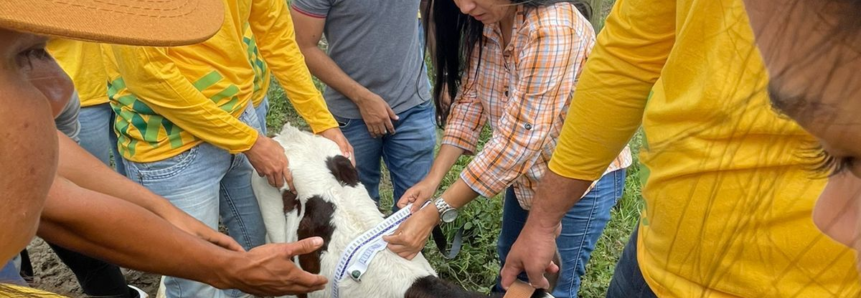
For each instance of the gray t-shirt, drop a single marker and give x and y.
(67, 121)
(376, 43)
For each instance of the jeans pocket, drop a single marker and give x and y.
(343, 122)
(164, 169)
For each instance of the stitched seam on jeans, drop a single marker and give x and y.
(583, 241)
(171, 171)
(236, 216)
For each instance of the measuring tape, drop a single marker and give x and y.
(356, 259)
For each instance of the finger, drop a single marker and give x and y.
(309, 280)
(537, 279)
(288, 176)
(393, 239)
(405, 199)
(226, 242)
(304, 246)
(271, 179)
(416, 205)
(389, 127)
(509, 273)
(279, 178)
(552, 268)
(392, 114)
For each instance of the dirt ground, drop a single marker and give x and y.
(52, 275)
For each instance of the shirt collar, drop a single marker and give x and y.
(493, 31)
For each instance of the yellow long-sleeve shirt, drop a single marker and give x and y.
(83, 63)
(298, 86)
(172, 99)
(728, 193)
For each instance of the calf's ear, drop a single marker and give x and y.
(343, 170)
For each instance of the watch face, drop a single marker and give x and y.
(449, 215)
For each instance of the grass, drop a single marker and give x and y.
(476, 267)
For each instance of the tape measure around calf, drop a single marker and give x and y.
(357, 257)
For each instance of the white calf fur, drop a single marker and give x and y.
(355, 212)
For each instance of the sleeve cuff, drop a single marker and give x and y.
(244, 147)
(476, 185)
(321, 126)
(465, 143)
(307, 11)
(559, 168)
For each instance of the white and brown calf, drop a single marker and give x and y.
(332, 203)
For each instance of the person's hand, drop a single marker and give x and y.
(410, 237)
(418, 195)
(377, 114)
(337, 136)
(268, 158)
(190, 225)
(533, 252)
(268, 270)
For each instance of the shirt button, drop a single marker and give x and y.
(527, 126)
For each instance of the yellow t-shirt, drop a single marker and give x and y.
(13, 291)
(172, 99)
(262, 75)
(727, 189)
(83, 63)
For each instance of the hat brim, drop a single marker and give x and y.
(130, 22)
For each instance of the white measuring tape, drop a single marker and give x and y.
(356, 259)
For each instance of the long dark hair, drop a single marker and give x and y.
(456, 36)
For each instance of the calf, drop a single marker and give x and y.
(331, 203)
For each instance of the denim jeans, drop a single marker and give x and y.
(97, 134)
(408, 153)
(627, 279)
(262, 110)
(582, 226)
(9, 274)
(205, 182)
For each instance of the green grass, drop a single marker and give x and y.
(476, 266)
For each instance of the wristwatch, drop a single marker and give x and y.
(447, 213)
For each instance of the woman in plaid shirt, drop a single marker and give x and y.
(515, 68)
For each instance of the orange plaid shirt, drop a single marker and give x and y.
(524, 90)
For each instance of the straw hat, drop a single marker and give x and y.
(135, 22)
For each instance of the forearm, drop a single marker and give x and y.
(556, 195)
(445, 159)
(128, 235)
(83, 169)
(151, 75)
(272, 25)
(324, 68)
(459, 194)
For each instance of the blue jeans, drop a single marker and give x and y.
(582, 226)
(205, 182)
(408, 153)
(627, 279)
(9, 274)
(262, 111)
(97, 134)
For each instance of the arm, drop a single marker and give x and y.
(152, 76)
(271, 23)
(462, 132)
(272, 26)
(111, 229)
(81, 168)
(606, 111)
(310, 18)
